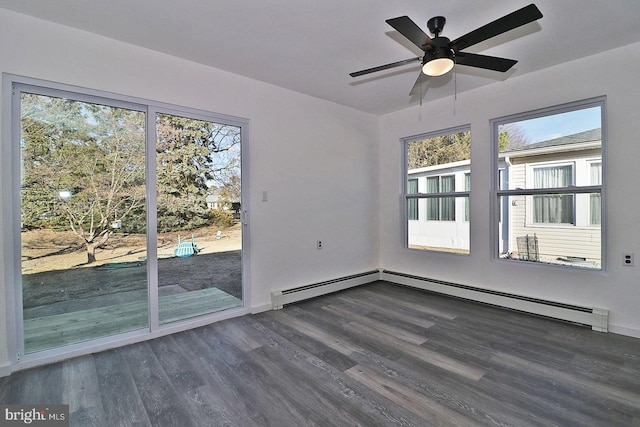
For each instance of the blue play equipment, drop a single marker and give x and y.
(186, 249)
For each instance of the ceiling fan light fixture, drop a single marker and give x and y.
(438, 63)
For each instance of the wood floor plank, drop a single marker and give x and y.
(37, 386)
(409, 303)
(389, 313)
(402, 334)
(81, 391)
(337, 383)
(253, 383)
(374, 355)
(424, 354)
(306, 395)
(341, 345)
(123, 405)
(552, 402)
(158, 394)
(468, 398)
(425, 408)
(322, 351)
(615, 393)
(191, 388)
(221, 398)
(180, 372)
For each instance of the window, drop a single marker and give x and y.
(557, 208)
(438, 181)
(441, 208)
(467, 188)
(412, 204)
(549, 185)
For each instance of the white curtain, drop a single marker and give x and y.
(467, 187)
(595, 200)
(433, 186)
(448, 204)
(554, 208)
(412, 204)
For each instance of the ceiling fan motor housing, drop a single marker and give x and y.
(438, 48)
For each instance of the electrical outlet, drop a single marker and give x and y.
(627, 260)
(319, 244)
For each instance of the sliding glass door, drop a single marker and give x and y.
(83, 220)
(198, 217)
(91, 200)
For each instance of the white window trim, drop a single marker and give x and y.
(498, 193)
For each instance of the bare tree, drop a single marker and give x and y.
(86, 161)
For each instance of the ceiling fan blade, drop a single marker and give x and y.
(405, 26)
(502, 25)
(484, 61)
(384, 67)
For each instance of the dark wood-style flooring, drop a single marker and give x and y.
(377, 355)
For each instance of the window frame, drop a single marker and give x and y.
(499, 194)
(406, 196)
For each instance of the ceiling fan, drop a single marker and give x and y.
(441, 54)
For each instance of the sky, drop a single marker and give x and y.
(557, 125)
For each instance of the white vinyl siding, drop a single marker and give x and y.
(579, 238)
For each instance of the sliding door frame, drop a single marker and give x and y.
(10, 151)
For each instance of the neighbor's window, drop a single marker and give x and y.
(595, 203)
(557, 208)
(467, 187)
(412, 204)
(549, 185)
(438, 183)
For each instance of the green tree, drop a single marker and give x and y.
(83, 163)
(439, 150)
(192, 156)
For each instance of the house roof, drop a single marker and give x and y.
(586, 140)
(581, 137)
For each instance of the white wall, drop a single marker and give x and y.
(317, 160)
(613, 74)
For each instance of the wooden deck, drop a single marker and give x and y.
(54, 330)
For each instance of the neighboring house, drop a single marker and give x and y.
(567, 227)
(212, 200)
(441, 223)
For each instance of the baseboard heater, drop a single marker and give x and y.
(280, 298)
(597, 318)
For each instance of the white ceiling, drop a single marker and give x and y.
(311, 46)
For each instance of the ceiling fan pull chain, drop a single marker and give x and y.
(455, 90)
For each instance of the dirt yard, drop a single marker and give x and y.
(46, 250)
(55, 269)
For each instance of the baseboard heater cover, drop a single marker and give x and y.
(597, 318)
(300, 293)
